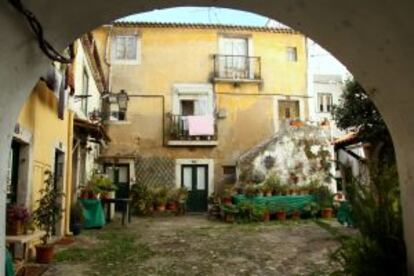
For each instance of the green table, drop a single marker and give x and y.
(93, 213)
(9, 264)
(289, 203)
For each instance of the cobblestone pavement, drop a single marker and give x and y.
(193, 245)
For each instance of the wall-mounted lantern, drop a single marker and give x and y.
(118, 103)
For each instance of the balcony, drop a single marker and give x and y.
(237, 69)
(192, 131)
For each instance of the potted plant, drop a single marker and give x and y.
(296, 215)
(76, 218)
(172, 199)
(230, 212)
(17, 217)
(323, 197)
(227, 195)
(160, 198)
(182, 196)
(250, 190)
(48, 212)
(260, 213)
(280, 210)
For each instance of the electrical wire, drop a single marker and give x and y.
(37, 29)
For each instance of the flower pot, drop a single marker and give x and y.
(296, 215)
(15, 228)
(160, 207)
(172, 206)
(266, 217)
(76, 228)
(281, 215)
(327, 213)
(227, 200)
(44, 253)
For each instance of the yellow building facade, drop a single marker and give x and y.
(246, 80)
(42, 142)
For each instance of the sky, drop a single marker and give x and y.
(210, 15)
(320, 61)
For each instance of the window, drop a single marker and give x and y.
(229, 174)
(187, 107)
(324, 102)
(234, 61)
(125, 48)
(85, 92)
(289, 110)
(292, 54)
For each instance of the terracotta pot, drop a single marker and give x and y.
(172, 206)
(296, 215)
(266, 217)
(160, 207)
(227, 200)
(327, 213)
(15, 228)
(44, 253)
(281, 215)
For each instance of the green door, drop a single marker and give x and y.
(195, 179)
(119, 174)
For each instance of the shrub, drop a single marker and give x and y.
(142, 199)
(376, 212)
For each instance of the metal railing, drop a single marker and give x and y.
(179, 130)
(234, 67)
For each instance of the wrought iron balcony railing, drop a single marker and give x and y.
(234, 68)
(180, 130)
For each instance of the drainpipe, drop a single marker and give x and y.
(68, 190)
(107, 58)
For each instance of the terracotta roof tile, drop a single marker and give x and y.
(204, 26)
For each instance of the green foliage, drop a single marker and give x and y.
(357, 112)
(376, 211)
(141, 199)
(274, 183)
(323, 197)
(250, 190)
(113, 252)
(311, 209)
(160, 195)
(49, 209)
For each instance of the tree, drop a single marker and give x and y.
(358, 113)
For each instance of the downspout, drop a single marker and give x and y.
(68, 191)
(107, 58)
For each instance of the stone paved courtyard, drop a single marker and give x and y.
(193, 245)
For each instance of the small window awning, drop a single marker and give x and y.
(96, 131)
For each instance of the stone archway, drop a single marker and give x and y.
(374, 39)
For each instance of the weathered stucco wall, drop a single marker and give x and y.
(185, 55)
(298, 156)
(39, 115)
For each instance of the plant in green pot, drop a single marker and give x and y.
(46, 215)
(76, 218)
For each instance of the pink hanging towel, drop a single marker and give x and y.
(201, 125)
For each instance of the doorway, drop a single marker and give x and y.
(195, 179)
(119, 174)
